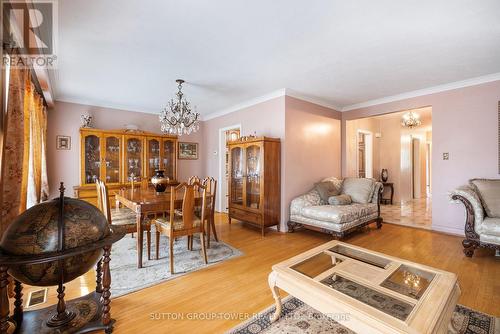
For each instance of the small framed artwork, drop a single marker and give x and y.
(188, 151)
(63, 142)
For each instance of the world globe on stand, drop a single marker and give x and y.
(35, 233)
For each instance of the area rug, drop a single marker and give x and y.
(298, 317)
(126, 277)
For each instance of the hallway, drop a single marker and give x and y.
(414, 213)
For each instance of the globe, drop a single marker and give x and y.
(35, 232)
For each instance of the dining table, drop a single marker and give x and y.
(145, 201)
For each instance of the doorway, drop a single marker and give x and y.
(230, 133)
(389, 142)
(365, 154)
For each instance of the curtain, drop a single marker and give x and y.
(37, 187)
(23, 170)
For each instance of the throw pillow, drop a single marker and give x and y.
(360, 189)
(340, 200)
(489, 193)
(326, 190)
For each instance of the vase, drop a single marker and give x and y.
(384, 175)
(160, 181)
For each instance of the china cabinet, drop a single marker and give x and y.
(117, 156)
(254, 181)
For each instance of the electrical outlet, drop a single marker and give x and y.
(446, 156)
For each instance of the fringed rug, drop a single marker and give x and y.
(298, 317)
(126, 277)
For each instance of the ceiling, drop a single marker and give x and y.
(127, 53)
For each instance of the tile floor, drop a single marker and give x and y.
(415, 213)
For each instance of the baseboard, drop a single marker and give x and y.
(448, 230)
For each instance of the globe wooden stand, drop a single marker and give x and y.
(61, 320)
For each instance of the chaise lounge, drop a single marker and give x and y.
(354, 203)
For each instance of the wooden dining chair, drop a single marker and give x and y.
(210, 184)
(187, 223)
(121, 216)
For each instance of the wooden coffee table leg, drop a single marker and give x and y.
(276, 296)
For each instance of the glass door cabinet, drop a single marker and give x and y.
(114, 156)
(254, 181)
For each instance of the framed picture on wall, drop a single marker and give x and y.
(63, 142)
(188, 151)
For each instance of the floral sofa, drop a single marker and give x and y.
(313, 212)
(481, 198)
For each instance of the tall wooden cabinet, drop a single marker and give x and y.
(115, 156)
(255, 181)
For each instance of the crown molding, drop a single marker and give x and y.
(245, 104)
(426, 91)
(320, 102)
(263, 98)
(107, 105)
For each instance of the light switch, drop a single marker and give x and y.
(446, 156)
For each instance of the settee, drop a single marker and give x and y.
(314, 211)
(481, 198)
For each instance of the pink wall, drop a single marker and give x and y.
(265, 119)
(309, 133)
(312, 150)
(64, 119)
(464, 123)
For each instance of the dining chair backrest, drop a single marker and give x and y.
(188, 204)
(194, 179)
(99, 197)
(210, 184)
(105, 206)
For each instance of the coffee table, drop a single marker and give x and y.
(366, 291)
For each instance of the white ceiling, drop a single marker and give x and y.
(127, 53)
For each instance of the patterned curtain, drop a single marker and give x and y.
(23, 170)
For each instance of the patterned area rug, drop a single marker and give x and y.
(298, 317)
(127, 278)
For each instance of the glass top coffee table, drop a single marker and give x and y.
(368, 292)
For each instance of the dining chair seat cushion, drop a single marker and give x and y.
(178, 223)
(126, 216)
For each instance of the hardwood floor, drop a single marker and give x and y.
(232, 291)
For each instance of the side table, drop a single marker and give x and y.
(390, 185)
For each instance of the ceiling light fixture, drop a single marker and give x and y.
(411, 120)
(177, 118)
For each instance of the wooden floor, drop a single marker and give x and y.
(234, 290)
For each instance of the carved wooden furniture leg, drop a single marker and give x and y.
(148, 240)
(203, 248)
(4, 300)
(157, 244)
(208, 232)
(469, 247)
(276, 295)
(98, 279)
(139, 218)
(18, 303)
(171, 250)
(379, 223)
(212, 223)
(106, 293)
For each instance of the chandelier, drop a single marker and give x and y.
(411, 120)
(177, 118)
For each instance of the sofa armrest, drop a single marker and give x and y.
(309, 199)
(475, 211)
(377, 192)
